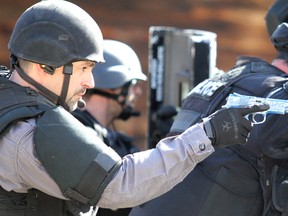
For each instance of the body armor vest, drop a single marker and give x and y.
(84, 185)
(250, 76)
(217, 180)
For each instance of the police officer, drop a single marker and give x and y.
(238, 180)
(113, 97)
(276, 14)
(51, 164)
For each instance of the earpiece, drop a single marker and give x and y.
(48, 69)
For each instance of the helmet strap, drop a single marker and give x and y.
(59, 100)
(104, 94)
(127, 111)
(67, 71)
(49, 94)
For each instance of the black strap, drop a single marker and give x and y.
(49, 94)
(18, 103)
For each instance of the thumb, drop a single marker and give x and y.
(254, 108)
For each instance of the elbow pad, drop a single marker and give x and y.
(74, 156)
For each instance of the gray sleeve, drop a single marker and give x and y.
(142, 176)
(148, 174)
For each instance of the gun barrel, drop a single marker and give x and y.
(277, 106)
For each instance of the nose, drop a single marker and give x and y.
(89, 81)
(137, 90)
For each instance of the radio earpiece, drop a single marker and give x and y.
(48, 69)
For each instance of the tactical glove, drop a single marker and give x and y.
(229, 126)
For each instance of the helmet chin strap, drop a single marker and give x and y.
(59, 100)
(49, 94)
(128, 112)
(67, 71)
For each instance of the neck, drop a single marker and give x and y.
(100, 111)
(15, 77)
(281, 65)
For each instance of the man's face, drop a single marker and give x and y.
(80, 80)
(135, 92)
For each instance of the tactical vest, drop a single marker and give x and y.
(232, 181)
(84, 185)
(250, 76)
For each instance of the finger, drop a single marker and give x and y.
(242, 140)
(254, 108)
(261, 107)
(244, 135)
(247, 125)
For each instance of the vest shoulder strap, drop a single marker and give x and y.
(18, 103)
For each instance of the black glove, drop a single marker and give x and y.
(229, 126)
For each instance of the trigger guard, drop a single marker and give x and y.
(254, 121)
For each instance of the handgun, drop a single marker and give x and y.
(277, 106)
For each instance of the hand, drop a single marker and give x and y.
(229, 126)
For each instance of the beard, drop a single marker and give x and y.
(75, 102)
(72, 104)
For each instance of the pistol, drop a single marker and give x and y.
(277, 106)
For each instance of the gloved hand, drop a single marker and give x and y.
(229, 126)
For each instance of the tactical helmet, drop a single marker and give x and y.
(49, 33)
(276, 14)
(121, 66)
(280, 37)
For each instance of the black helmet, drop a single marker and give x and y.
(276, 14)
(55, 33)
(280, 37)
(121, 65)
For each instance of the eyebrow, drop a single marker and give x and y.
(92, 64)
(87, 63)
